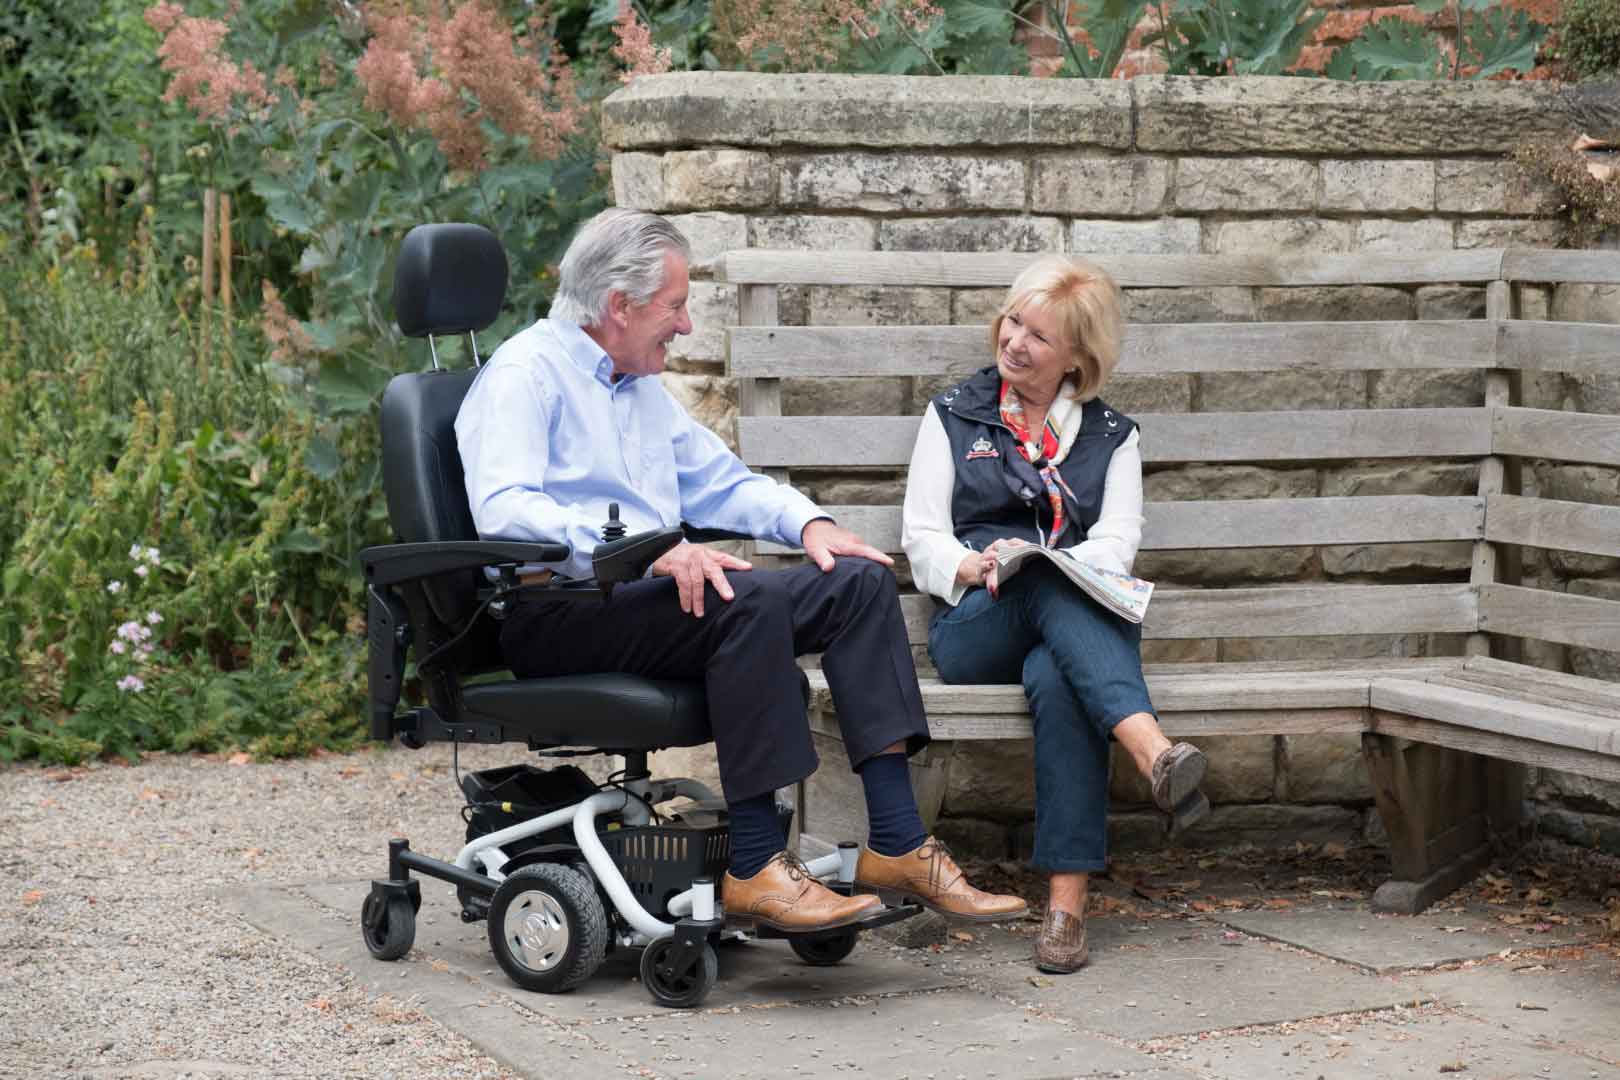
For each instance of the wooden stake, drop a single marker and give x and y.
(225, 253)
(210, 209)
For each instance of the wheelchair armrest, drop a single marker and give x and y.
(627, 559)
(388, 564)
(709, 536)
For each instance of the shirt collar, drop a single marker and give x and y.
(585, 353)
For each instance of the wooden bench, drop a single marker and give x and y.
(1445, 739)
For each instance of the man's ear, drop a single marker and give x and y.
(618, 308)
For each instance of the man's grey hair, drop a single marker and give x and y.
(618, 250)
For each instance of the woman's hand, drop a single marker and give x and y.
(979, 567)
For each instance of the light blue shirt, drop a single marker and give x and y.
(548, 439)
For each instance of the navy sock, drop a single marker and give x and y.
(756, 834)
(896, 827)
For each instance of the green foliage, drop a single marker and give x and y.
(1589, 37)
(1108, 23)
(1491, 39)
(1239, 37)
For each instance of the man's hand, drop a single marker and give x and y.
(691, 565)
(822, 540)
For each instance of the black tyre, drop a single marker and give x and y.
(388, 925)
(824, 950)
(547, 928)
(683, 988)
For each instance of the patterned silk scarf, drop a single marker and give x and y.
(1057, 435)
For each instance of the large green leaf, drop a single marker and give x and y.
(1393, 48)
(1502, 40)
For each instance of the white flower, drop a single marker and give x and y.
(153, 618)
(151, 556)
(117, 648)
(143, 653)
(115, 587)
(135, 551)
(133, 632)
(131, 684)
(140, 570)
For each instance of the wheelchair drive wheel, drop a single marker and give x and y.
(388, 924)
(547, 927)
(824, 950)
(674, 983)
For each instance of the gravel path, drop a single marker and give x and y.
(117, 957)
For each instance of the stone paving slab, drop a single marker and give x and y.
(1170, 977)
(1569, 1000)
(1395, 1046)
(1353, 934)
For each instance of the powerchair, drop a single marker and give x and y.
(562, 869)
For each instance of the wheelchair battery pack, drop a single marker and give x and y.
(507, 796)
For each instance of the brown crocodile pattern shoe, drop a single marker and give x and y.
(1176, 775)
(784, 896)
(1061, 948)
(930, 877)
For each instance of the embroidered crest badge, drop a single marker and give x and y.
(981, 448)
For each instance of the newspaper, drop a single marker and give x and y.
(1124, 595)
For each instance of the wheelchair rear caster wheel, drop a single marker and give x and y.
(389, 925)
(824, 950)
(547, 928)
(681, 988)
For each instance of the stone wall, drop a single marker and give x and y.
(1148, 165)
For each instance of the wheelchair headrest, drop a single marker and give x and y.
(449, 279)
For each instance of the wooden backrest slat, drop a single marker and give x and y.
(1556, 435)
(1530, 345)
(833, 441)
(1553, 523)
(1251, 523)
(1553, 267)
(1587, 621)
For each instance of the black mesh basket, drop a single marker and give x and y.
(660, 861)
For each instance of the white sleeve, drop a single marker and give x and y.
(1113, 541)
(926, 533)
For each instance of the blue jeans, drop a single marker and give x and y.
(1081, 666)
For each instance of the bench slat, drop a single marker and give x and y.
(1539, 265)
(1553, 523)
(853, 351)
(1528, 345)
(1500, 714)
(1557, 436)
(1508, 747)
(1167, 438)
(986, 269)
(1250, 523)
(1587, 621)
(1290, 611)
(1578, 691)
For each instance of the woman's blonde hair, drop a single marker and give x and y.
(1090, 313)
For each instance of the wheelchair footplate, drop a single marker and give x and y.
(883, 916)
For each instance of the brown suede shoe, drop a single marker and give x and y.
(930, 877)
(1176, 775)
(1061, 948)
(783, 895)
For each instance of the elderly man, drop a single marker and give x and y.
(565, 418)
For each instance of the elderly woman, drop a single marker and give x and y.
(1026, 453)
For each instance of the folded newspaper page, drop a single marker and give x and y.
(1124, 595)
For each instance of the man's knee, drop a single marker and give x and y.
(862, 578)
(761, 591)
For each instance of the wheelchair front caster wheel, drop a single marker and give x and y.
(389, 925)
(547, 928)
(823, 950)
(683, 986)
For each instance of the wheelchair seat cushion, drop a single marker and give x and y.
(611, 711)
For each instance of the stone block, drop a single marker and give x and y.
(813, 232)
(993, 780)
(1384, 234)
(976, 307)
(1233, 185)
(748, 109)
(1510, 232)
(974, 838)
(1429, 389)
(878, 305)
(1383, 185)
(1242, 768)
(712, 179)
(1491, 186)
(1192, 482)
(971, 234)
(1401, 478)
(1427, 560)
(1215, 304)
(1331, 116)
(1275, 825)
(1334, 303)
(638, 181)
(1132, 394)
(1245, 391)
(1535, 301)
(1095, 186)
(1579, 483)
(874, 487)
(845, 396)
(1586, 303)
(1595, 393)
(1283, 236)
(1345, 647)
(1324, 768)
(1450, 302)
(1251, 566)
(710, 399)
(711, 234)
(1161, 236)
(1577, 791)
(885, 183)
(1587, 830)
(712, 309)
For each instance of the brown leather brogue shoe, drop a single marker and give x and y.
(1061, 948)
(783, 895)
(1177, 772)
(930, 877)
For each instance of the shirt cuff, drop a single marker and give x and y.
(795, 518)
